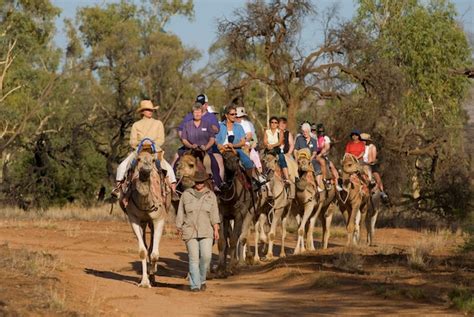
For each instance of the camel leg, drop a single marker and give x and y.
(242, 243)
(326, 224)
(142, 251)
(309, 236)
(283, 236)
(357, 219)
(234, 237)
(370, 225)
(261, 222)
(271, 235)
(222, 247)
(259, 231)
(155, 252)
(351, 222)
(308, 210)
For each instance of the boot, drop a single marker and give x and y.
(116, 192)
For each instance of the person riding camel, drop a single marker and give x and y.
(250, 136)
(199, 134)
(324, 144)
(370, 160)
(273, 141)
(231, 137)
(288, 140)
(355, 147)
(146, 128)
(303, 141)
(209, 117)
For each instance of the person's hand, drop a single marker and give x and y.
(216, 234)
(203, 147)
(194, 146)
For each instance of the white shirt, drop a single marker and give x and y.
(227, 138)
(365, 158)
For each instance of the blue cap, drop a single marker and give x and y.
(356, 132)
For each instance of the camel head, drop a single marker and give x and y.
(145, 163)
(186, 168)
(271, 161)
(303, 158)
(231, 161)
(350, 164)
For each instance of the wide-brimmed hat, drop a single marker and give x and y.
(146, 105)
(365, 137)
(355, 132)
(211, 109)
(200, 176)
(240, 112)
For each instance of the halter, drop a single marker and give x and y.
(140, 145)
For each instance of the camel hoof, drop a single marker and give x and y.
(282, 255)
(256, 261)
(144, 285)
(267, 258)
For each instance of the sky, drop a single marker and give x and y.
(200, 33)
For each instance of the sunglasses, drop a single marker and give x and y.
(232, 114)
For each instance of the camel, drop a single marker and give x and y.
(316, 202)
(354, 199)
(281, 202)
(147, 206)
(234, 203)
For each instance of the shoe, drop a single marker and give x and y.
(194, 290)
(116, 192)
(327, 184)
(339, 188)
(384, 197)
(203, 287)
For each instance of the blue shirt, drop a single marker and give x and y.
(300, 143)
(237, 129)
(209, 117)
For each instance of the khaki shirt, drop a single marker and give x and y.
(147, 128)
(197, 216)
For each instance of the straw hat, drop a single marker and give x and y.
(146, 105)
(365, 137)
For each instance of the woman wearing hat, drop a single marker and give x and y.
(355, 147)
(149, 128)
(198, 225)
(370, 159)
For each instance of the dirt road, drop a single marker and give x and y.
(100, 272)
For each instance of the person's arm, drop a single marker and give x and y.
(209, 144)
(180, 217)
(372, 155)
(265, 141)
(215, 219)
(134, 137)
(188, 144)
(160, 138)
(361, 155)
(347, 147)
(291, 142)
(281, 137)
(325, 149)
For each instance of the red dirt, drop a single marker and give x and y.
(101, 273)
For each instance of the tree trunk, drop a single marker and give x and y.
(293, 106)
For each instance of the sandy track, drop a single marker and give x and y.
(102, 271)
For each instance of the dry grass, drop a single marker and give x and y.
(349, 262)
(37, 264)
(324, 281)
(418, 257)
(69, 212)
(38, 268)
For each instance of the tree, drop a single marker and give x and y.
(261, 44)
(132, 57)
